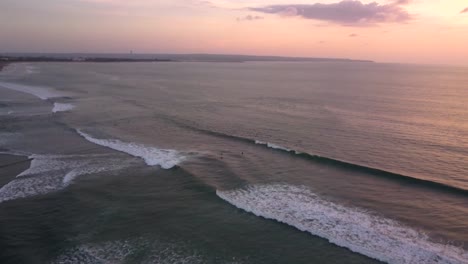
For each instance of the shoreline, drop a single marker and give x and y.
(83, 57)
(8, 59)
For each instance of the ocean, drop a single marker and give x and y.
(212, 162)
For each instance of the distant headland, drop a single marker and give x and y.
(50, 58)
(86, 57)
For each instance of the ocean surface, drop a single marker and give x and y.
(257, 162)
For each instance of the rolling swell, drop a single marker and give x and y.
(329, 161)
(366, 169)
(353, 228)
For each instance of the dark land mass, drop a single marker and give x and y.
(4, 59)
(83, 57)
(246, 58)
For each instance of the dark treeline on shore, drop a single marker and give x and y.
(74, 59)
(84, 57)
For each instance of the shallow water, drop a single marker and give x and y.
(235, 163)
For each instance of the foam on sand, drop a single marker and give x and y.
(353, 228)
(59, 107)
(43, 93)
(166, 158)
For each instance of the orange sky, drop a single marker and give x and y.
(417, 31)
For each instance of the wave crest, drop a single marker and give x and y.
(273, 146)
(165, 158)
(50, 173)
(60, 107)
(360, 231)
(43, 93)
(432, 183)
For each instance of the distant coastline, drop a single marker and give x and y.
(86, 57)
(10, 59)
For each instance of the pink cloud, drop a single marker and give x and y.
(346, 12)
(249, 18)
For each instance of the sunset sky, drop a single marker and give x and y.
(408, 31)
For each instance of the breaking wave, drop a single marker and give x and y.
(366, 169)
(49, 173)
(32, 69)
(43, 93)
(7, 137)
(165, 158)
(353, 228)
(60, 107)
(271, 145)
(326, 160)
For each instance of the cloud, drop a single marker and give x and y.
(204, 3)
(249, 18)
(346, 12)
(464, 11)
(353, 35)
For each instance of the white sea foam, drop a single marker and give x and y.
(30, 186)
(353, 228)
(44, 163)
(50, 163)
(59, 107)
(271, 145)
(6, 137)
(124, 252)
(43, 93)
(48, 173)
(31, 69)
(166, 158)
(75, 173)
(69, 177)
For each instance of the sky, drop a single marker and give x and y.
(404, 31)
